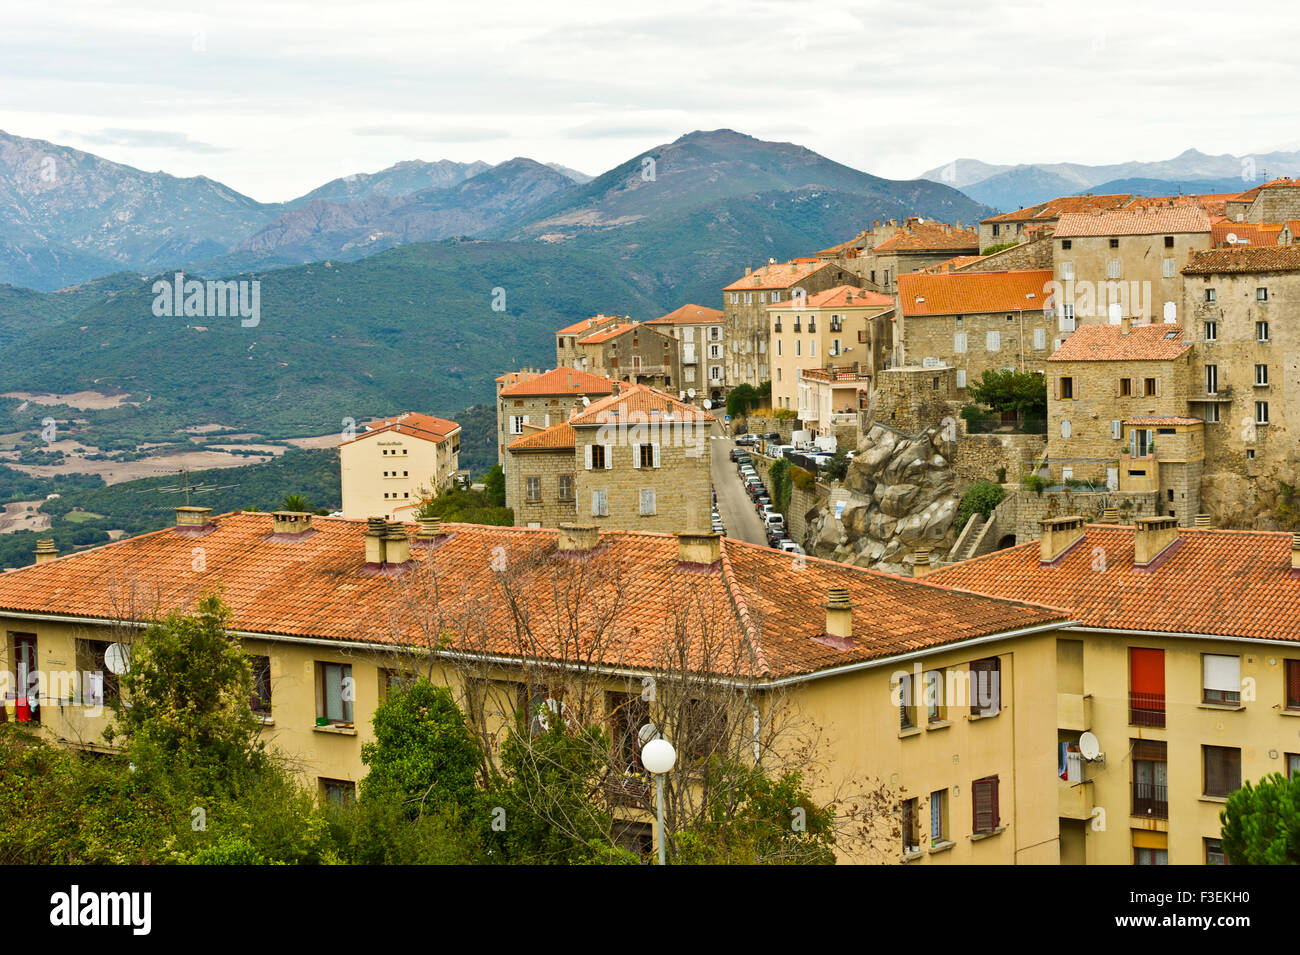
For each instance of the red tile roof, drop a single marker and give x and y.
(779, 276)
(606, 334)
(556, 437)
(587, 324)
(953, 264)
(413, 423)
(561, 381)
(641, 400)
(1245, 260)
(1225, 583)
(764, 619)
(1232, 234)
(930, 237)
(1055, 208)
(689, 315)
(964, 293)
(1150, 342)
(1168, 421)
(841, 296)
(1134, 220)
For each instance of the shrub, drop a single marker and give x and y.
(1035, 483)
(1261, 823)
(1002, 475)
(980, 498)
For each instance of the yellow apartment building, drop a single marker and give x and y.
(1183, 664)
(396, 463)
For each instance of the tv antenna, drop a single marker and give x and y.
(185, 487)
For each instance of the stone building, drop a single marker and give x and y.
(975, 321)
(1036, 221)
(745, 306)
(541, 399)
(829, 399)
(918, 246)
(638, 459)
(843, 326)
(1125, 262)
(1117, 413)
(632, 352)
(699, 332)
(1275, 201)
(567, 352)
(397, 463)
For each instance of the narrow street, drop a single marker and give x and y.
(737, 510)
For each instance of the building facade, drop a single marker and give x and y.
(700, 336)
(397, 463)
(542, 399)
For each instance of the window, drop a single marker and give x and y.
(961, 378)
(334, 693)
(1222, 767)
(703, 729)
(1126, 387)
(1150, 779)
(985, 687)
(627, 714)
(1112, 269)
(599, 504)
(959, 342)
(100, 684)
(1011, 318)
(1211, 331)
(1210, 295)
(533, 484)
(1114, 243)
(391, 680)
(517, 424)
(1117, 429)
(598, 457)
(259, 699)
(1214, 852)
(1067, 270)
(938, 817)
(647, 456)
(1150, 387)
(906, 702)
(1261, 412)
(566, 487)
(984, 805)
(1261, 295)
(339, 793)
(1169, 242)
(910, 809)
(1146, 681)
(27, 670)
(935, 711)
(1291, 678)
(1292, 764)
(1211, 414)
(1261, 331)
(1065, 389)
(1067, 318)
(1220, 678)
(1261, 375)
(1067, 244)
(993, 341)
(1040, 339)
(1149, 856)
(1211, 379)
(647, 502)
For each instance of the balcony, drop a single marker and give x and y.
(1151, 800)
(631, 791)
(1074, 800)
(1146, 709)
(1223, 395)
(1073, 712)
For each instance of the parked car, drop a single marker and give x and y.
(775, 520)
(775, 536)
(747, 440)
(790, 547)
(766, 509)
(772, 436)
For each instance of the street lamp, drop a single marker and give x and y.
(658, 757)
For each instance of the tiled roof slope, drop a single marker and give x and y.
(1156, 220)
(1281, 258)
(689, 315)
(1244, 233)
(1054, 208)
(641, 400)
(561, 381)
(587, 324)
(605, 334)
(1109, 343)
(556, 437)
(930, 236)
(841, 296)
(1229, 583)
(764, 616)
(413, 423)
(964, 293)
(780, 275)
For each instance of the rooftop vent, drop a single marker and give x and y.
(699, 550)
(839, 618)
(291, 523)
(1057, 535)
(1152, 538)
(578, 538)
(45, 550)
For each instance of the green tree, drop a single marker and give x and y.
(779, 476)
(1021, 393)
(980, 498)
(494, 483)
(424, 753)
(838, 466)
(1261, 822)
(294, 502)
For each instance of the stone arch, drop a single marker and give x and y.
(1007, 540)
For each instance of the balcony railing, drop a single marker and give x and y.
(1146, 709)
(1151, 800)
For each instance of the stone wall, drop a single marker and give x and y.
(1030, 508)
(1027, 255)
(979, 456)
(801, 504)
(783, 426)
(549, 509)
(681, 485)
(983, 341)
(912, 399)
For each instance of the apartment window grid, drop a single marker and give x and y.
(938, 817)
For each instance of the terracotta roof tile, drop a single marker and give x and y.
(613, 331)
(782, 275)
(930, 236)
(964, 293)
(587, 324)
(763, 617)
(841, 296)
(1243, 234)
(1247, 259)
(640, 400)
(413, 423)
(1055, 208)
(554, 438)
(689, 315)
(1151, 342)
(1134, 220)
(1228, 583)
(561, 381)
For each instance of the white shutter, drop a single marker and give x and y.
(994, 341)
(656, 454)
(1065, 428)
(1117, 429)
(586, 451)
(609, 456)
(1040, 338)
(595, 503)
(636, 456)
(961, 378)
(959, 342)
(1222, 672)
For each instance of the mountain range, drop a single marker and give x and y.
(1008, 187)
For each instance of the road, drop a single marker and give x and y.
(737, 510)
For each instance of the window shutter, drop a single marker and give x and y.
(1147, 671)
(982, 811)
(1133, 443)
(1292, 682)
(636, 455)
(656, 453)
(1222, 673)
(993, 802)
(1117, 429)
(586, 451)
(595, 503)
(609, 456)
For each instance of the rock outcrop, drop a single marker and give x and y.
(898, 497)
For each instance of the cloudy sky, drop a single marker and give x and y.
(276, 96)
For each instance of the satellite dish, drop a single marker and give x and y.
(707, 404)
(1089, 746)
(585, 401)
(691, 392)
(117, 659)
(646, 733)
(1232, 238)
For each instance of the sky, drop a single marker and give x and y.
(275, 97)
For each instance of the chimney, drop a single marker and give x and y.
(1057, 535)
(578, 538)
(45, 550)
(1295, 554)
(699, 550)
(1110, 515)
(430, 527)
(290, 522)
(747, 270)
(921, 561)
(1152, 537)
(1201, 520)
(839, 618)
(1124, 324)
(615, 388)
(397, 546)
(376, 528)
(188, 516)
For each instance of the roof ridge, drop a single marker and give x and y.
(741, 607)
